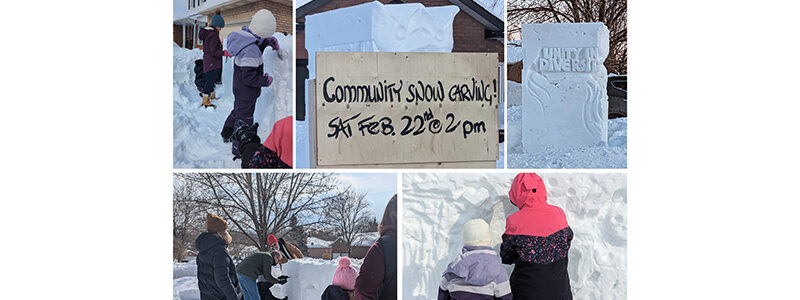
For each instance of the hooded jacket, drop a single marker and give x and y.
(377, 278)
(216, 273)
(280, 140)
(212, 49)
(537, 240)
(475, 274)
(248, 66)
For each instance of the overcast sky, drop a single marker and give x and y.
(380, 187)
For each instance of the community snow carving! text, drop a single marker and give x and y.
(377, 108)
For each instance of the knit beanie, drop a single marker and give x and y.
(271, 240)
(263, 23)
(345, 275)
(217, 21)
(215, 224)
(476, 233)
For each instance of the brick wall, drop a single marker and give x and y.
(282, 13)
(468, 33)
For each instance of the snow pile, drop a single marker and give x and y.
(312, 242)
(436, 206)
(308, 278)
(196, 139)
(611, 155)
(184, 280)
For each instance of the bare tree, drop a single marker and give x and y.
(259, 204)
(187, 217)
(612, 13)
(348, 214)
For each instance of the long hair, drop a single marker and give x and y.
(389, 214)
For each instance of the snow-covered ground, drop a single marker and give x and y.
(308, 278)
(612, 155)
(196, 139)
(436, 206)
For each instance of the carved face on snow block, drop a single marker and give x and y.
(564, 101)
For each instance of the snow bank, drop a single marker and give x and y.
(308, 278)
(437, 205)
(196, 139)
(184, 280)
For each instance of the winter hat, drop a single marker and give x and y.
(345, 275)
(263, 23)
(217, 21)
(271, 240)
(215, 224)
(476, 233)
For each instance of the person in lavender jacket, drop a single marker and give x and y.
(247, 47)
(477, 273)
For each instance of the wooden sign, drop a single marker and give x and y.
(381, 109)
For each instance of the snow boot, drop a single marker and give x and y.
(213, 96)
(245, 134)
(207, 101)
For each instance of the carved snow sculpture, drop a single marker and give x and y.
(564, 101)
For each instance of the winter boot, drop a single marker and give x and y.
(213, 96)
(207, 101)
(245, 134)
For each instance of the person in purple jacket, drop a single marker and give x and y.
(212, 58)
(247, 47)
(477, 273)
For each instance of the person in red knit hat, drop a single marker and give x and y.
(287, 250)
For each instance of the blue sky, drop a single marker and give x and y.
(380, 187)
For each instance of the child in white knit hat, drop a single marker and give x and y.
(477, 273)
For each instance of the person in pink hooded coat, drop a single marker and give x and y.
(537, 241)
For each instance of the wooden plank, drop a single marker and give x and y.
(488, 164)
(312, 132)
(389, 108)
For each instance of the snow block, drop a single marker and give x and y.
(375, 27)
(564, 101)
(437, 205)
(308, 277)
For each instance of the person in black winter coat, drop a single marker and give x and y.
(216, 273)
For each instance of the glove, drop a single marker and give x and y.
(282, 281)
(226, 54)
(273, 42)
(269, 79)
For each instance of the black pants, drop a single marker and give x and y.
(211, 79)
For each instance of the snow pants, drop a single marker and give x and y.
(249, 287)
(211, 80)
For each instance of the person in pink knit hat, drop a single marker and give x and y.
(344, 282)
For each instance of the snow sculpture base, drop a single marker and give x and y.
(564, 101)
(375, 27)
